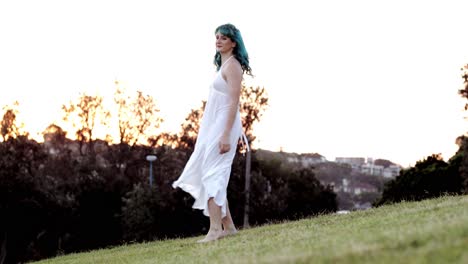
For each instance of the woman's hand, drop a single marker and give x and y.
(224, 145)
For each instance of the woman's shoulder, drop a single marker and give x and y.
(233, 66)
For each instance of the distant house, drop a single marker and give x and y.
(305, 160)
(346, 188)
(372, 169)
(378, 170)
(361, 187)
(368, 167)
(309, 159)
(355, 163)
(392, 171)
(354, 187)
(293, 159)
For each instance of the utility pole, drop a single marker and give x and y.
(247, 190)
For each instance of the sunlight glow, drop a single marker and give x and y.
(345, 78)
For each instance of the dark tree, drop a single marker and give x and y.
(463, 140)
(431, 177)
(190, 128)
(464, 91)
(55, 135)
(83, 115)
(27, 201)
(9, 125)
(462, 160)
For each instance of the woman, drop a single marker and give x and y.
(206, 174)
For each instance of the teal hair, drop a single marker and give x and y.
(239, 51)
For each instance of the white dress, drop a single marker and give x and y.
(207, 172)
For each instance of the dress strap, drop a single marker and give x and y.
(227, 60)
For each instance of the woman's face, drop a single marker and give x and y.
(224, 44)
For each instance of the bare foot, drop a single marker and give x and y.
(229, 232)
(211, 236)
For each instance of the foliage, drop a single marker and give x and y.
(138, 116)
(140, 213)
(464, 91)
(149, 214)
(55, 135)
(254, 102)
(83, 115)
(278, 193)
(332, 172)
(9, 124)
(429, 178)
(28, 203)
(463, 141)
(307, 196)
(462, 158)
(190, 128)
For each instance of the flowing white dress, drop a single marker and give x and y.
(206, 174)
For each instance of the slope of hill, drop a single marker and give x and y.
(430, 231)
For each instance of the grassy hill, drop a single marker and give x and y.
(431, 231)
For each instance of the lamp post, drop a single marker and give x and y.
(151, 158)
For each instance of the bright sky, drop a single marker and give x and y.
(345, 78)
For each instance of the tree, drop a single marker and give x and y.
(55, 135)
(165, 139)
(190, 128)
(464, 91)
(279, 192)
(83, 114)
(463, 140)
(27, 201)
(136, 115)
(9, 125)
(429, 178)
(462, 157)
(307, 196)
(254, 102)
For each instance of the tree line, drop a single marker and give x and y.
(81, 192)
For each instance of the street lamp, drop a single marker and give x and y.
(151, 158)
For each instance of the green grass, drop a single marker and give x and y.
(431, 231)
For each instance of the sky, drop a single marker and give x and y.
(344, 78)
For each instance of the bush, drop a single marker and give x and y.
(429, 178)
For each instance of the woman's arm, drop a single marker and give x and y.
(233, 76)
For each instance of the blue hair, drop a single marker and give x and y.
(239, 50)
